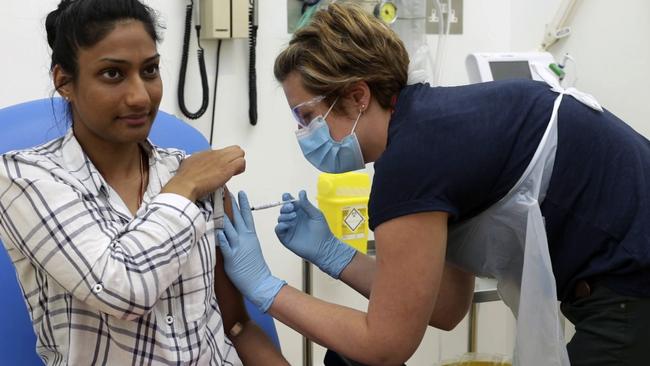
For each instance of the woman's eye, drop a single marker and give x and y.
(111, 74)
(307, 117)
(151, 71)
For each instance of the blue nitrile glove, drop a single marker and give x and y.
(243, 259)
(303, 229)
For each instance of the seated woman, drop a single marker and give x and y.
(112, 237)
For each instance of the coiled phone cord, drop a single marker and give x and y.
(204, 77)
(252, 73)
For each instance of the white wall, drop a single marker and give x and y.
(611, 45)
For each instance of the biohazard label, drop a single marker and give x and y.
(353, 219)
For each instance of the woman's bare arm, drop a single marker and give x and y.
(253, 345)
(409, 268)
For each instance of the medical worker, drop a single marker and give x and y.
(520, 180)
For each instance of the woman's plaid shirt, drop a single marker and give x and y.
(104, 287)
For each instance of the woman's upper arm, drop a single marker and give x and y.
(227, 202)
(47, 222)
(229, 298)
(410, 262)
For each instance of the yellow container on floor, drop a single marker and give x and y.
(479, 359)
(343, 199)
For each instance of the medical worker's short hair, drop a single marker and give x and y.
(344, 44)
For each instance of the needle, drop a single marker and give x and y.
(274, 204)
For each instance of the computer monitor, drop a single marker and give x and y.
(483, 67)
(510, 69)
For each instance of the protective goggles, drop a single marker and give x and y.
(299, 115)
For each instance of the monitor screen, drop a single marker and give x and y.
(510, 70)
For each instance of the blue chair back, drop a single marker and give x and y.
(33, 123)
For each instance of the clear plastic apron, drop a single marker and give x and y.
(508, 242)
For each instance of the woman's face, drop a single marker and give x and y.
(340, 125)
(118, 89)
(372, 127)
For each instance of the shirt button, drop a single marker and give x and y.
(98, 288)
(169, 319)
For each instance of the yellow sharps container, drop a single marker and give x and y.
(343, 199)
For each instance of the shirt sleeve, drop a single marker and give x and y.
(218, 209)
(119, 269)
(402, 186)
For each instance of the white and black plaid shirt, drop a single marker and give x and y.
(104, 287)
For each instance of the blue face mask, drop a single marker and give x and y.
(324, 153)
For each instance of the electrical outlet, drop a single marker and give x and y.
(434, 15)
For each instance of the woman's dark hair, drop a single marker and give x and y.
(79, 24)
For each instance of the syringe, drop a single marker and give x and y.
(274, 204)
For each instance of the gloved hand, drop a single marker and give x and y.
(243, 260)
(302, 228)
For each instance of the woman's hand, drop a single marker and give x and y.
(302, 228)
(204, 172)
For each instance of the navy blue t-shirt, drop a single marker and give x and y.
(461, 149)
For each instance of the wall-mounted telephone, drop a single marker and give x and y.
(219, 19)
(224, 19)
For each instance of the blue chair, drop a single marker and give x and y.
(35, 122)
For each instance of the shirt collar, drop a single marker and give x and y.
(82, 168)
